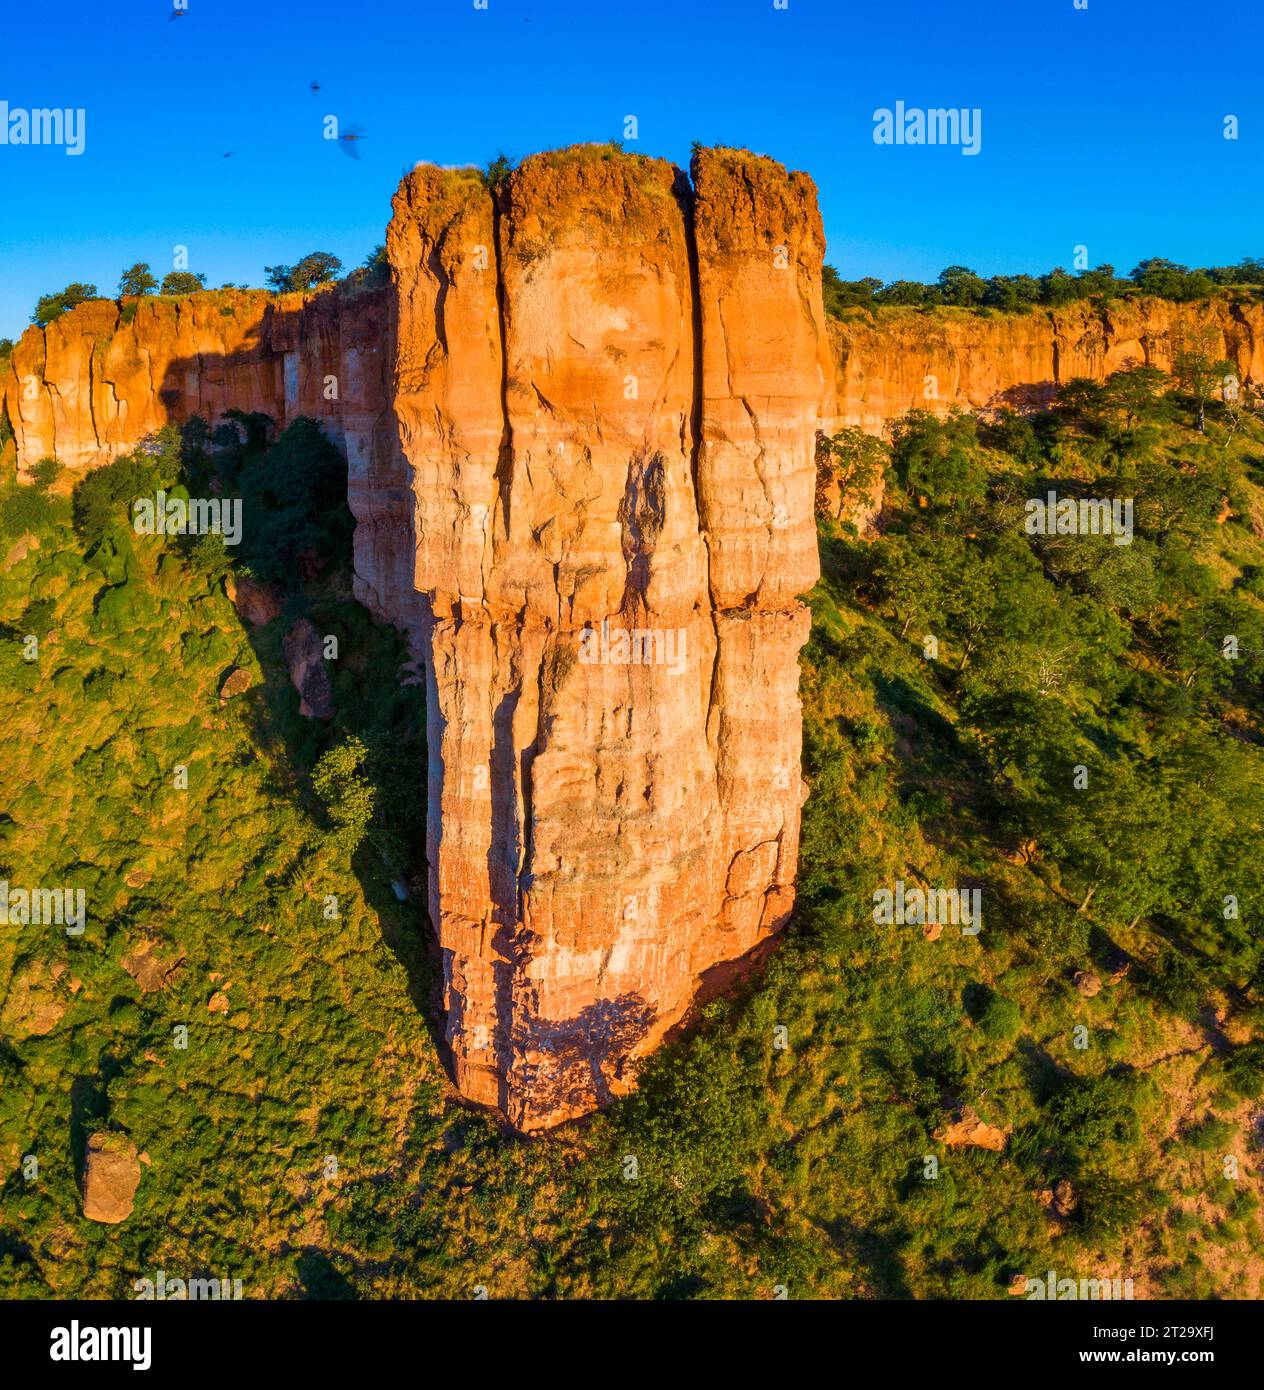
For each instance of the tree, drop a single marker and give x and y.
(182, 282)
(960, 285)
(1100, 281)
(1198, 372)
(316, 268)
(1167, 280)
(847, 466)
(1057, 287)
(1083, 400)
(137, 280)
(840, 294)
(53, 306)
(906, 578)
(375, 269)
(907, 292)
(1012, 292)
(499, 169)
(1247, 272)
(937, 461)
(1134, 393)
(299, 492)
(345, 791)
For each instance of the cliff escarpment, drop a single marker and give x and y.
(95, 382)
(580, 427)
(901, 359)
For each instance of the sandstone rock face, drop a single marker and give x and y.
(611, 529)
(967, 1128)
(96, 381)
(152, 964)
(111, 1176)
(902, 359)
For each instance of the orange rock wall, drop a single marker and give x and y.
(92, 385)
(607, 825)
(901, 359)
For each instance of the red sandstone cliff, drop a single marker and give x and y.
(609, 547)
(900, 359)
(95, 382)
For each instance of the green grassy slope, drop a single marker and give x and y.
(306, 1140)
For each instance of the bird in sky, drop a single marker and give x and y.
(315, 87)
(349, 140)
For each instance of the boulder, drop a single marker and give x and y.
(237, 680)
(33, 1006)
(152, 964)
(305, 657)
(111, 1175)
(967, 1129)
(256, 602)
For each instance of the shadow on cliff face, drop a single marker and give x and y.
(581, 1059)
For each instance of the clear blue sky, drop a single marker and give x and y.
(1101, 127)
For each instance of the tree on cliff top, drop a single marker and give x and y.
(53, 306)
(961, 286)
(1167, 280)
(374, 270)
(316, 268)
(183, 282)
(137, 280)
(497, 171)
(842, 294)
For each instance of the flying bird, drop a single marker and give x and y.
(229, 155)
(315, 87)
(349, 139)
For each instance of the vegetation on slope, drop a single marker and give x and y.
(307, 1142)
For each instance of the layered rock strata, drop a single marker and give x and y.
(611, 444)
(903, 359)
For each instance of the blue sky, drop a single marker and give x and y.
(1101, 127)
